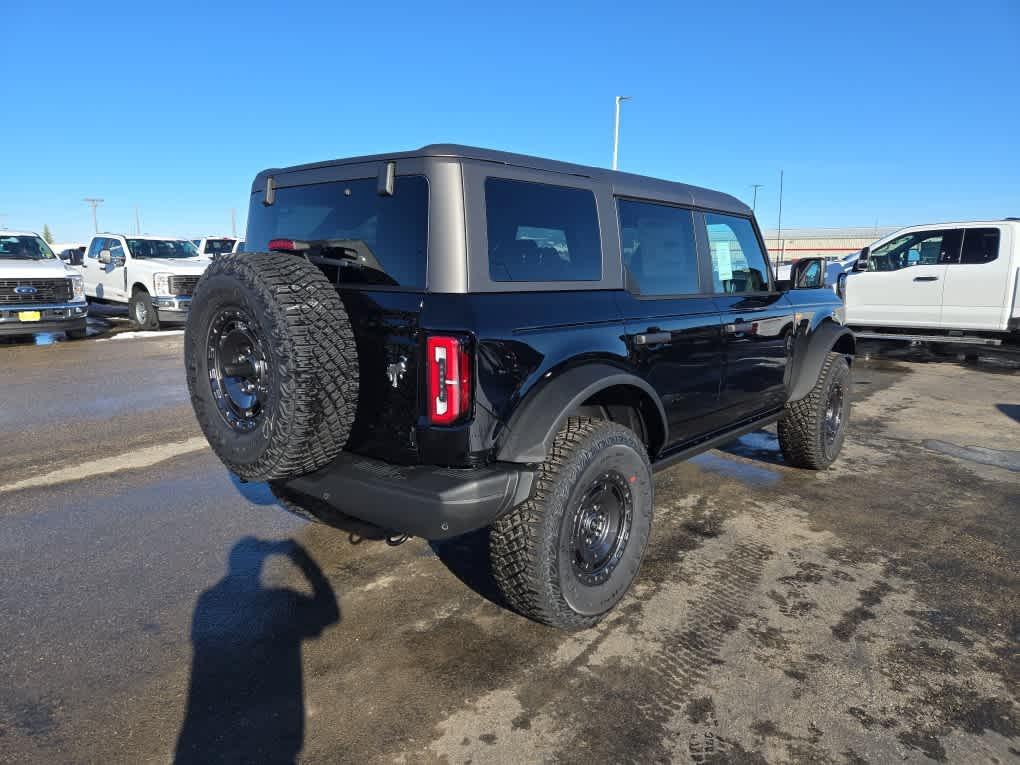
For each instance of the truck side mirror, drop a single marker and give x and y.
(861, 264)
(808, 274)
(104, 257)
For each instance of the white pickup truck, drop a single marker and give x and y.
(38, 291)
(949, 281)
(155, 276)
(213, 246)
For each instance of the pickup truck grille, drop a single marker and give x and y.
(183, 285)
(46, 291)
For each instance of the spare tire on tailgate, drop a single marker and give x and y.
(272, 365)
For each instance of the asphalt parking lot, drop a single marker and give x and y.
(150, 606)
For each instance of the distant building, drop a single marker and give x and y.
(821, 242)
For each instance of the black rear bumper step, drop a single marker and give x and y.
(424, 501)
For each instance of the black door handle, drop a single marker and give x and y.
(926, 278)
(652, 338)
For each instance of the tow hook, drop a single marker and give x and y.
(395, 540)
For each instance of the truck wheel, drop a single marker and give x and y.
(271, 364)
(570, 553)
(811, 430)
(142, 312)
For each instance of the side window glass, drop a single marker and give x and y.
(116, 248)
(94, 248)
(738, 264)
(980, 245)
(659, 249)
(541, 233)
(921, 248)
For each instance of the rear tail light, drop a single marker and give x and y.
(287, 245)
(449, 378)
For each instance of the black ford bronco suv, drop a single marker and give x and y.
(447, 339)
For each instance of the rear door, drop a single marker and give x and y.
(904, 281)
(673, 328)
(757, 321)
(976, 283)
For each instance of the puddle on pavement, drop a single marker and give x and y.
(1010, 460)
(753, 475)
(760, 445)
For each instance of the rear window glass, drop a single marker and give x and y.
(541, 233)
(357, 236)
(980, 245)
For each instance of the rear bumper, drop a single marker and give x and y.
(423, 501)
(57, 317)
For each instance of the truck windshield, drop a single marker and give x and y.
(219, 246)
(357, 236)
(162, 248)
(24, 247)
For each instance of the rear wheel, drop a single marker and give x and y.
(570, 553)
(272, 366)
(811, 430)
(143, 314)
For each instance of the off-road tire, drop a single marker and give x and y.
(802, 428)
(141, 304)
(529, 552)
(312, 388)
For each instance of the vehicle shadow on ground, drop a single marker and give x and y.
(467, 558)
(246, 695)
(1010, 410)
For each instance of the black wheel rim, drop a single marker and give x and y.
(834, 413)
(601, 527)
(239, 372)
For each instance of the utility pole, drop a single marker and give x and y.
(138, 222)
(782, 244)
(93, 202)
(3, 215)
(616, 129)
(754, 200)
(233, 222)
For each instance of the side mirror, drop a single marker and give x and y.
(861, 264)
(104, 257)
(808, 274)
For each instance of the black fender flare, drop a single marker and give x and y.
(810, 354)
(532, 428)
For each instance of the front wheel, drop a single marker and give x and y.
(569, 554)
(811, 430)
(143, 314)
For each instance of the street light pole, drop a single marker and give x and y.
(94, 203)
(754, 200)
(616, 129)
(782, 244)
(138, 222)
(233, 222)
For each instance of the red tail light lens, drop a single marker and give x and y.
(449, 378)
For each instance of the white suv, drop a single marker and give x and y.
(154, 275)
(38, 291)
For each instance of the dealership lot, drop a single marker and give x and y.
(864, 614)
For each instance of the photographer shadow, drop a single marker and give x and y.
(246, 695)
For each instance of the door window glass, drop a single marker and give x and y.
(541, 233)
(116, 249)
(921, 248)
(980, 245)
(659, 249)
(738, 264)
(94, 247)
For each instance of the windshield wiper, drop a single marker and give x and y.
(335, 252)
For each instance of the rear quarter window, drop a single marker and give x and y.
(541, 233)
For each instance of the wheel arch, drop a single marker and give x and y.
(139, 287)
(812, 349)
(614, 393)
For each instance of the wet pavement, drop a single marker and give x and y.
(149, 613)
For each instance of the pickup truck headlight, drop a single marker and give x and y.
(161, 283)
(77, 288)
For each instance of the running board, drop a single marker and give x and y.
(952, 339)
(685, 452)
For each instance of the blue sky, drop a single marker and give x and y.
(895, 112)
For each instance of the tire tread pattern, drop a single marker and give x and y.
(801, 428)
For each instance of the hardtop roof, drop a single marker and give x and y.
(625, 184)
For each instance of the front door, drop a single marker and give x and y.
(904, 281)
(976, 283)
(673, 328)
(110, 276)
(758, 322)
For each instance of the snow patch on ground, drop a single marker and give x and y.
(141, 334)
